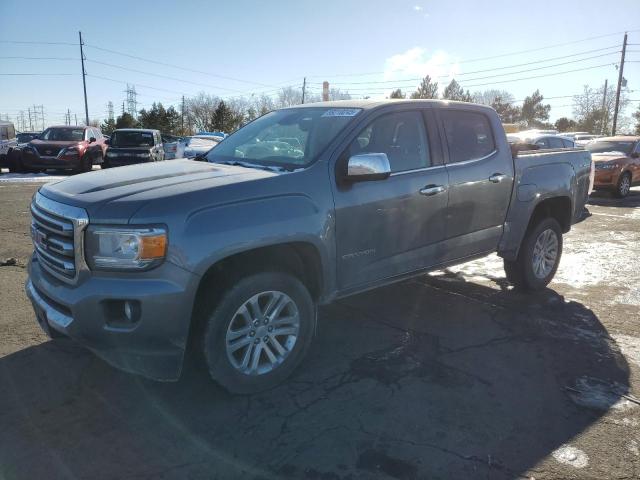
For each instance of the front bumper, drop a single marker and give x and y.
(32, 160)
(606, 178)
(153, 346)
(121, 161)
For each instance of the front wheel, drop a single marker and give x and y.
(538, 258)
(624, 185)
(258, 332)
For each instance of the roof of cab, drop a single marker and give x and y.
(369, 104)
(619, 138)
(136, 130)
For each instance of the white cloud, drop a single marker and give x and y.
(417, 8)
(416, 63)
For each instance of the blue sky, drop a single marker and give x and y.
(260, 46)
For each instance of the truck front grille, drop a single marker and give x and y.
(56, 231)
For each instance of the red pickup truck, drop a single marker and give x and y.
(62, 147)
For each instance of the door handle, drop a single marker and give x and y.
(430, 190)
(497, 177)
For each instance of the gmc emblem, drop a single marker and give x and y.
(48, 152)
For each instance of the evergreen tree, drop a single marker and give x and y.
(427, 89)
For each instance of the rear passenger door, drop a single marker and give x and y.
(480, 181)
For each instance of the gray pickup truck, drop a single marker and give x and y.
(230, 256)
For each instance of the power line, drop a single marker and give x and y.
(39, 74)
(38, 58)
(178, 67)
(163, 76)
(37, 43)
(504, 74)
(479, 59)
(497, 68)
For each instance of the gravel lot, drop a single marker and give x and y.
(450, 375)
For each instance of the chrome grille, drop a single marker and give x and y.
(56, 231)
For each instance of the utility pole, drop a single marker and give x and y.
(68, 117)
(620, 78)
(76, 115)
(182, 117)
(84, 81)
(304, 88)
(605, 113)
(325, 91)
(30, 124)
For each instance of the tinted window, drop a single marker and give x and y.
(132, 138)
(63, 134)
(400, 135)
(468, 134)
(567, 143)
(555, 142)
(543, 142)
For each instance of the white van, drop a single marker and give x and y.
(8, 142)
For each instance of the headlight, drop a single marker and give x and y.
(125, 248)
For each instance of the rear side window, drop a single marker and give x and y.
(555, 142)
(401, 136)
(469, 135)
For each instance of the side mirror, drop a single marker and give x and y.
(107, 142)
(368, 166)
(92, 139)
(199, 158)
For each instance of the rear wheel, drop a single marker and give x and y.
(624, 185)
(258, 331)
(14, 161)
(538, 258)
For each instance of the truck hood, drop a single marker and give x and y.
(114, 195)
(608, 156)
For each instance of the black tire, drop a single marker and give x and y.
(218, 315)
(622, 189)
(86, 164)
(14, 161)
(520, 272)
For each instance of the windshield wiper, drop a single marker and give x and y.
(238, 163)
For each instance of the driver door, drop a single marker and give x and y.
(385, 228)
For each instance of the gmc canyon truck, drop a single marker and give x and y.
(230, 256)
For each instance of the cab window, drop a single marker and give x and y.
(469, 135)
(401, 136)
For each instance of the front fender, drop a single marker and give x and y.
(213, 233)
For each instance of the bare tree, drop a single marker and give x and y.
(589, 113)
(199, 111)
(488, 97)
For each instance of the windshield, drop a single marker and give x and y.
(289, 138)
(201, 142)
(606, 146)
(63, 134)
(131, 139)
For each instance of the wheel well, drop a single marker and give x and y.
(297, 258)
(558, 208)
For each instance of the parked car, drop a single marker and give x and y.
(8, 142)
(199, 145)
(25, 137)
(173, 146)
(584, 139)
(232, 257)
(63, 148)
(617, 163)
(133, 145)
(542, 141)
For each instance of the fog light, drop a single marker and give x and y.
(131, 311)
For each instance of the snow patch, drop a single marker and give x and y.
(572, 456)
(629, 346)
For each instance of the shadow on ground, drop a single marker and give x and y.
(431, 378)
(607, 199)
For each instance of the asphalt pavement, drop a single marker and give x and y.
(449, 375)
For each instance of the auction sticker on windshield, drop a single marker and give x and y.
(341, 112)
